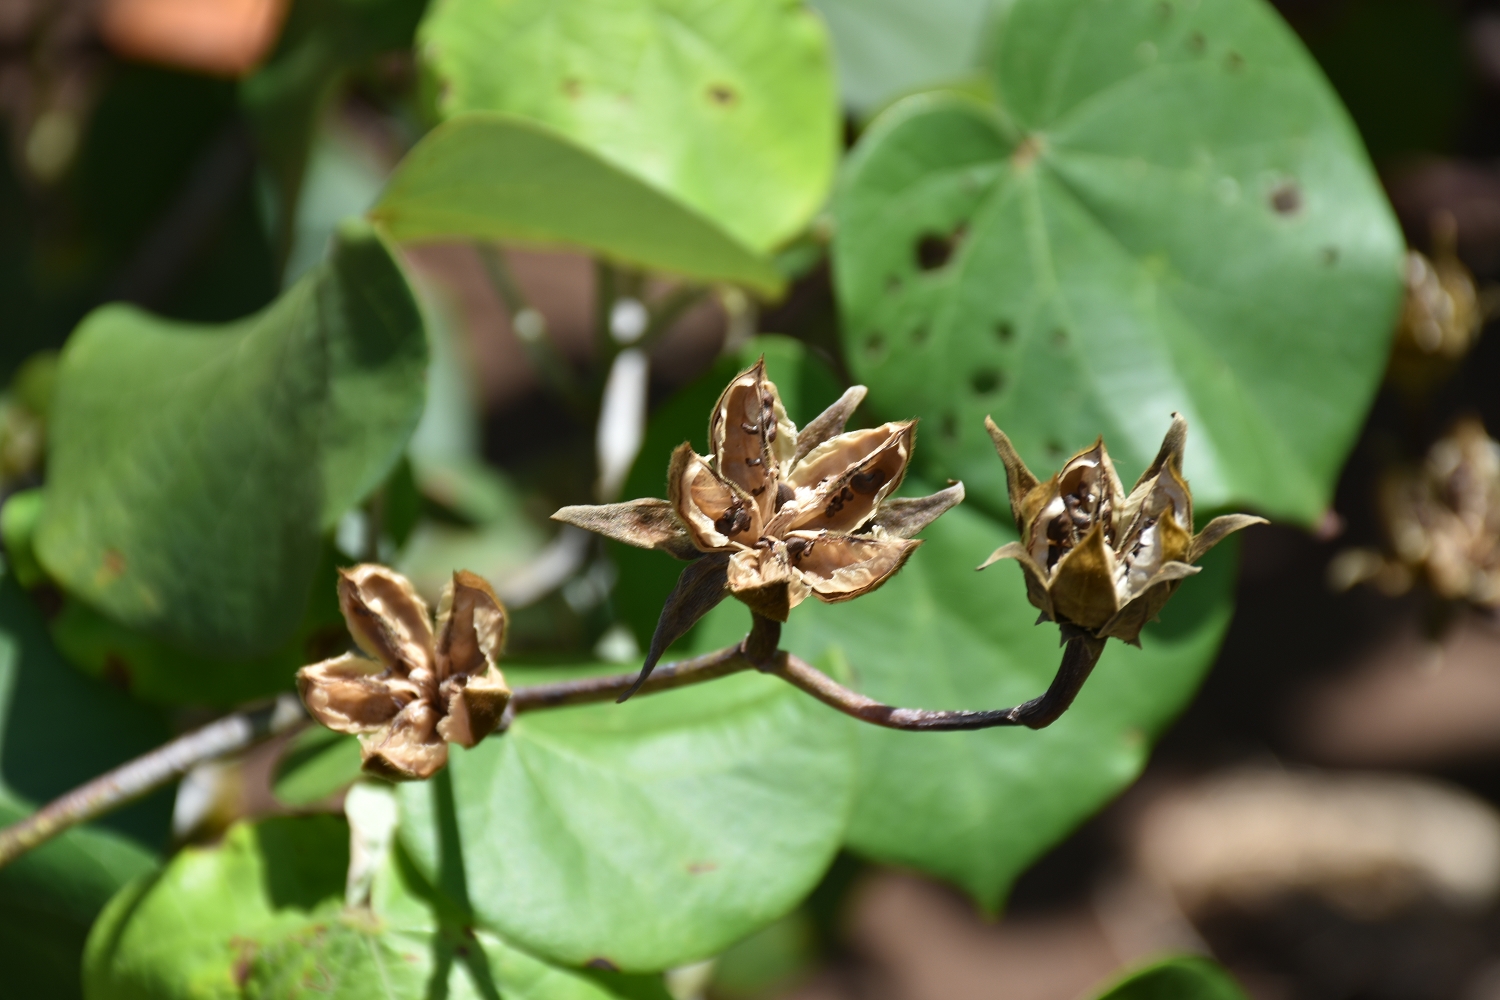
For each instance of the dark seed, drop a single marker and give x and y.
(867, 482)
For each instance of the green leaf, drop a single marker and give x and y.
(154, 670)
(494, 177)
(1185, 977)
(262, 916)
(978, 808)
(887, 48)
(317, 763)
(59, 728)
(192, 469)
(1168, 211)
(642, 835)
(49, 899)
(727, 106)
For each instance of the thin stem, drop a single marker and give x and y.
(757, 651)
(1038, 713)
(146, 773)
(586, 690)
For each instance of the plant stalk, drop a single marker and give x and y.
(758, 651)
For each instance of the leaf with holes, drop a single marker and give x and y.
(1168, 210)
(495, 177)
(191, 469)
(262, 915)
(644, 835)
(726, 105)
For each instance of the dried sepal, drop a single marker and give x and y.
(905, 517)
(699, 589)
(645, 524)
(828, 424)
(424, 689)
(1097, 560)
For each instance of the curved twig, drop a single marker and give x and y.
(758, 651)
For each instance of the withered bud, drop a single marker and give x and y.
(1442, 521)
(419, 688)
(773, 515)
(1097, 560)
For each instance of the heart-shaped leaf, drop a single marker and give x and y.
(191, 469)
(644, 835)
(728, 106)
(262, 916)
(495, 177)
(1167, 211)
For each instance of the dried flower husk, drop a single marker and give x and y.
(1441, 315)
(1098, 560)
(1442, 521)
(419, 687)
(774, 515)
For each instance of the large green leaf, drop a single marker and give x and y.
(262, 915)
(192, 469)
(976, 808)
(494, 177)
(641, 835)
(1186, 977)
(726, 105)
(1169, 210)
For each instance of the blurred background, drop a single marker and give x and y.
(1324, 818)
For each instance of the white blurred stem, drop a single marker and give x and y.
(622, 420)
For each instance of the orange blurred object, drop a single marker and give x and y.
(219, 37)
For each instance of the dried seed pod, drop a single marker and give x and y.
(1095, 558)
(423, 689)
(1442, 522)
(782, 515)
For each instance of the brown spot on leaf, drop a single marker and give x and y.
(722, 94)
(701, 867)
(601, 963)
(1287, 198)
(111, 568)
(572, 87)
(1196, 43)
(1234, 62)
(1330, 255)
